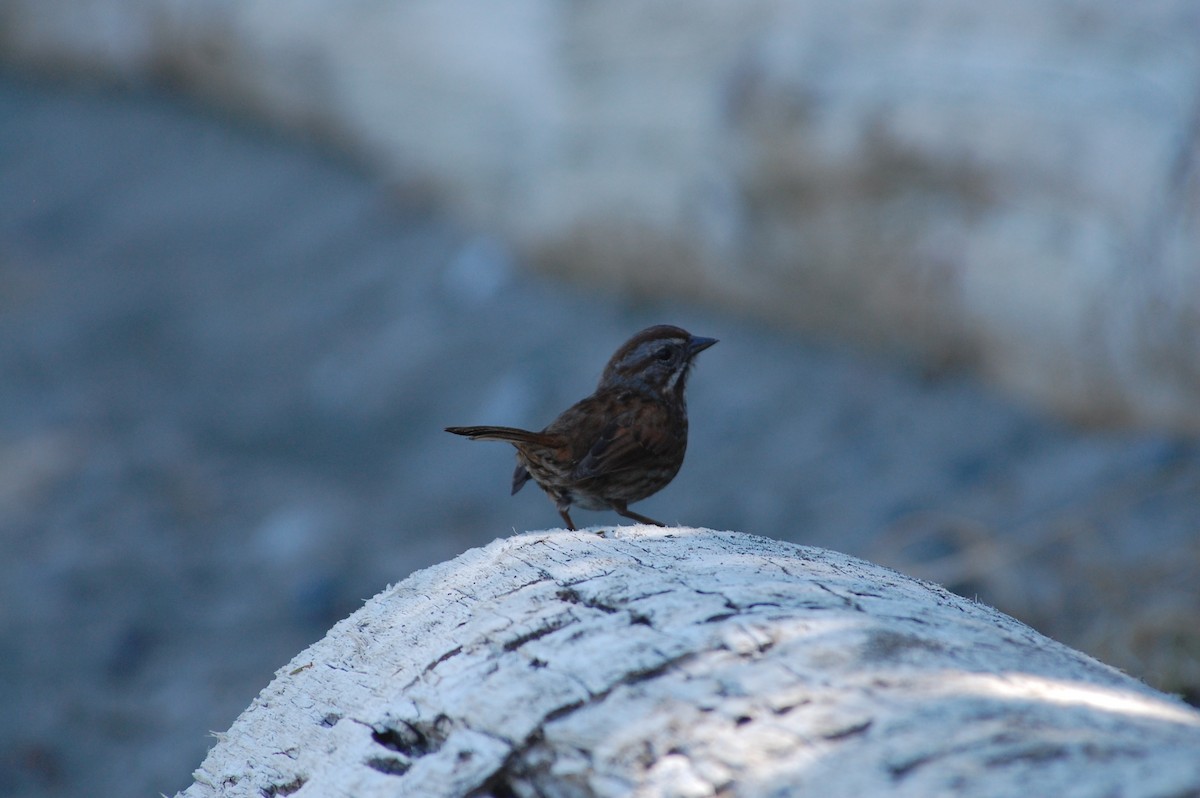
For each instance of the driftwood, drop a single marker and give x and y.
(687, 662)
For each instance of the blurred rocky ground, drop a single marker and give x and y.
(1012, 187)
(226, 355)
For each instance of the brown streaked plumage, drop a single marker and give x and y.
(621, 444)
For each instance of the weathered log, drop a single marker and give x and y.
(687, 662)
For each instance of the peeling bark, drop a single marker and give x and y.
(689, 662)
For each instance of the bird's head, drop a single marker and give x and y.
(656, 359)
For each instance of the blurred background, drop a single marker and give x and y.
(254, 256)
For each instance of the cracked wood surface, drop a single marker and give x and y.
(688, 662)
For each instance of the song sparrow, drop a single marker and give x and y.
(621, 444)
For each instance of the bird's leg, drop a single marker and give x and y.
(562, 510)
(621, 509)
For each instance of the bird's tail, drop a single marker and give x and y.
(510, 434)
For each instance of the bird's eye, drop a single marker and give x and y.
(664, 353)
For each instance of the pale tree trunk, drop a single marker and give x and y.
(688, 662)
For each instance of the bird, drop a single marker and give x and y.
(624, 442)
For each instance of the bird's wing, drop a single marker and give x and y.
(520, 477)
(622, 444)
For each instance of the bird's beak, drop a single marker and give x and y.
(697, 345)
